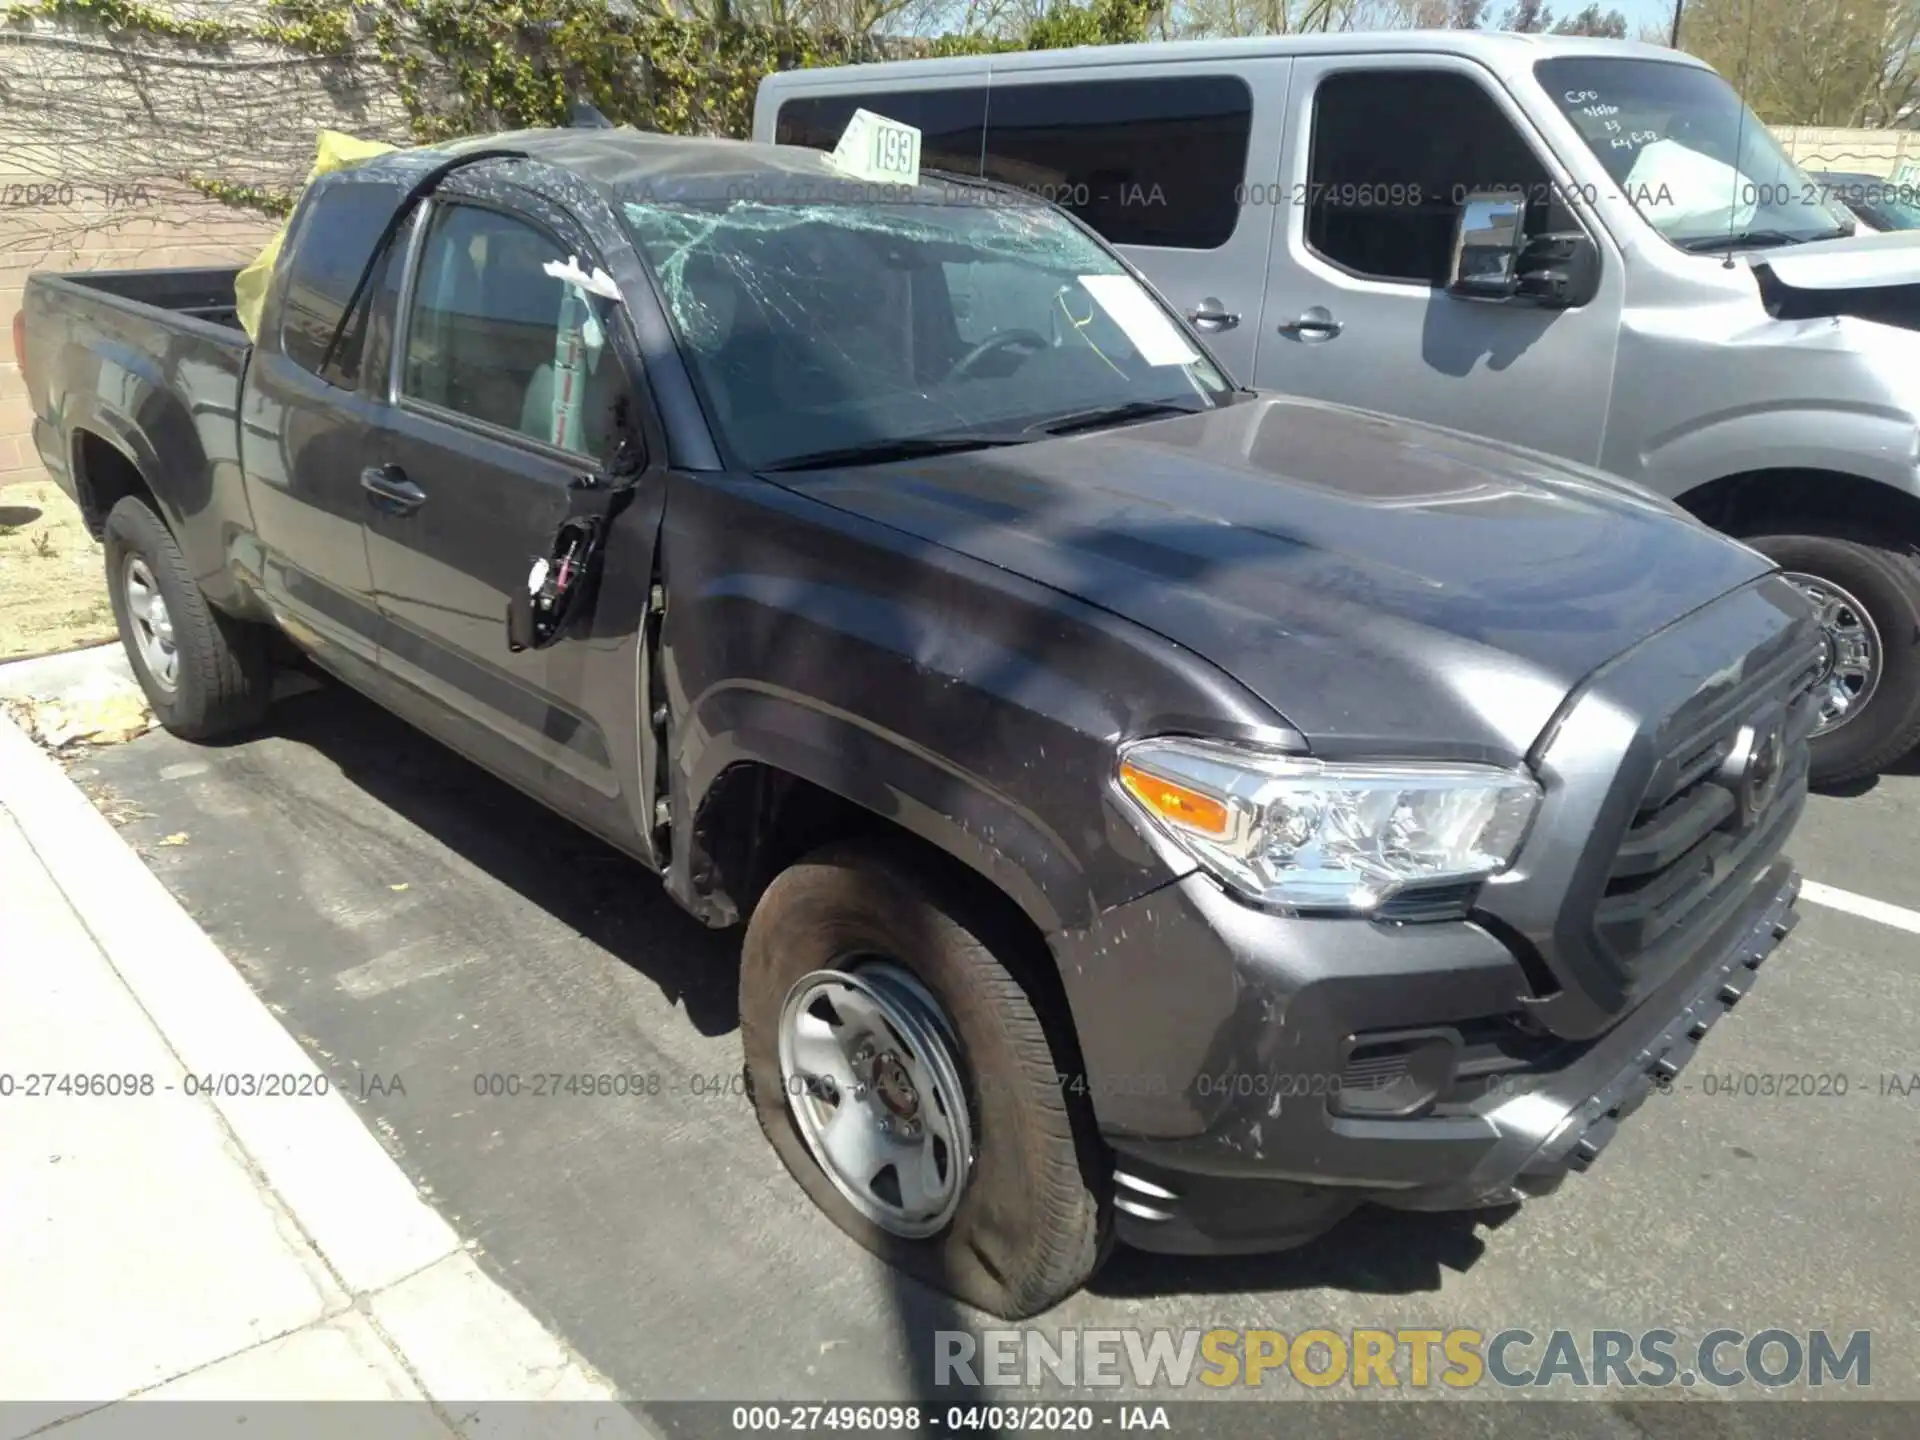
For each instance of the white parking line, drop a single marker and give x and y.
(1898, 916)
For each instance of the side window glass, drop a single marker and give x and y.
(1393, 152)
(493, 336)
(326, 259)
(950, 122)
(1144, 162)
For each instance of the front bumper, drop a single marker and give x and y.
(1226, 1141)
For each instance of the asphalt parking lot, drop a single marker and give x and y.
(421, 927)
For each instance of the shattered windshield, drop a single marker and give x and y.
(814, 329)
(1685, 149)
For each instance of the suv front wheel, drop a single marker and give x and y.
(1867, 595)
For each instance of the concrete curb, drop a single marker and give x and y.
(462, 1336)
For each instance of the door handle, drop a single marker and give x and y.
(1211, 316)
(389, 489)
(1316, 324)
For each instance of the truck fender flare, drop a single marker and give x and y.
(989, 832)
(85, 414)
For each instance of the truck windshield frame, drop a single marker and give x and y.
(1698, 165)
(815, 327)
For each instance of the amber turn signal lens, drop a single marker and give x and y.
(1184, 807)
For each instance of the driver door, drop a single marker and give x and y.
(478, 461)
(1382, 149)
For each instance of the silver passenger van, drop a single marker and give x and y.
(1591, 248)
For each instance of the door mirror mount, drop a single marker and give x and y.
(1560, 270)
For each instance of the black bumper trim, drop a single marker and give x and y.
(1659, 1062)
(1213, 1213)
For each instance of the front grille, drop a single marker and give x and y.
(1641, 849)
(1695, 837)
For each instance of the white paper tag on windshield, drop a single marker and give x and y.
(1145, 323)
(875, 148)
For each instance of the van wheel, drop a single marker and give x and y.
(204, 672)
(1868, 598)
(904, 1075)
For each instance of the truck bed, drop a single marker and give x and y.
(134, 377)
(199, 294)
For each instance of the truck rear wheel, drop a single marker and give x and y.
(1868, 596)
(204, 672)
(903, 1073)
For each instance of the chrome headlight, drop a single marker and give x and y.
(1307, 834)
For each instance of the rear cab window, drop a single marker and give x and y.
(325, 258)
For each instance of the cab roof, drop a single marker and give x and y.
(639, 165)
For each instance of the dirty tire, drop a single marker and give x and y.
(1886, 581)
(1032, 1224)
(224, 678)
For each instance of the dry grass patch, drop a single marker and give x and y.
(53, 585)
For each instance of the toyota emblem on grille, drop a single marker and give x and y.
(1766, 759)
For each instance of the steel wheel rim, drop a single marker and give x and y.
(152, 623)
(867, 1063)
(1854, 655)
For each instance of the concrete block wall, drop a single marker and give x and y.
(97, 131)
(1866, 152)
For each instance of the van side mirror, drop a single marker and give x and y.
(1487, 238)
(1495, 259)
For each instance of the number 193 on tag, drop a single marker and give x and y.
(875, 148)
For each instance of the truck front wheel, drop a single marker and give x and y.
(902, 1071)
(204, 672)
(1868, 598)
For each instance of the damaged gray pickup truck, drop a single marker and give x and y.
(1159, 810)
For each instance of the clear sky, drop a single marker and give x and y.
(1638, 12)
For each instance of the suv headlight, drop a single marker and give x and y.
(1306, 834)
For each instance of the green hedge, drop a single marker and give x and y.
(464, 68)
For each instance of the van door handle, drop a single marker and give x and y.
(1316, 324)
(389, 489)
(1210, 315)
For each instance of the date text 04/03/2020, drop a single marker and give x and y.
(1010, 1419)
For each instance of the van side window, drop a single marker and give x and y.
(1144, 162)
(327, 257)
(1393, 153)
(492, 336)
(951, 122)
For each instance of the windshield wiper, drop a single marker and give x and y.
(1113, 415)
(911, 447)
(1750, 238)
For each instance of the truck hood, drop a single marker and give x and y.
(1389, 588)
(1867, 276)
(1867, 259)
